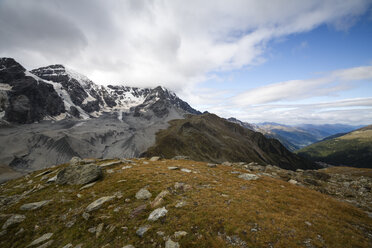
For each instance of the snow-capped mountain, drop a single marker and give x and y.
(81, 97)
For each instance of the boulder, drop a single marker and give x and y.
(157, 213)
(79, 174)
(98, 203)
(153, 159)
(143, 194)
(248, 176)
(159, 199)
(75, 161)
(171, 244)
(41, 239)
(142, 230)
(14, 219)
(34, 205)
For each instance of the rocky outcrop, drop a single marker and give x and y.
(79, 174)
(28, 99)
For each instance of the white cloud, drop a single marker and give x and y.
(145, 43)
(292, 90)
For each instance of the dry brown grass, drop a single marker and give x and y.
(219, 202)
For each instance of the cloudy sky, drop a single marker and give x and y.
(287, 61)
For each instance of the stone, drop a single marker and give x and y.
(145, 162)
(20, 231)
(70, 223)
(3, 232)
(92, 229)
(308, 223)
(110, 171)
(186, 170)
(157, 213)
(47, 244)
(173, 168)
(160, 233)
(182, 186)
(227, 163)
(79, 174)
(86, 216)
(159, 199)
(98, 203)
(75, 161)
(99, 229)
(211, 165)
(142, 230)
(138, 210)
(69, 245)
(180, 204)
(52, 179)
(171, 244)
(108, 164)
(128, 246)
(153, 159)
(34, 205)
(143, 194)
(292, 181)
(248, 176)
(126, 167)
(181, 157)
(14, 219)
(87, 185)
(41, 239)
(43, 173)
(179, 234)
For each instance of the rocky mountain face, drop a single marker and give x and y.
(351, 149)
(92, 120)
(210, 138)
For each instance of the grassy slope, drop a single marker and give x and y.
(210, 138)
(219, 202)
(352, 149)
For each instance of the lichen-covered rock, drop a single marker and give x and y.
(157, 213)
(143, 194)
(14, 219)
(248, 176)
(98, 203)
(79, 174)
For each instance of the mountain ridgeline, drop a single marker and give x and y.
(351, 149)
(52, 113)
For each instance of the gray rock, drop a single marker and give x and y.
(86, 216)
(173, 168)
(87, 185)
(186, 170)
(14, 219)
(111, 163)
(126, 167)
(159, 199)
(292, 181)
(181, 158)
(248, 176)
(41, 239)
(75, 161)
(34, 205)
(142, 230)
(99, 229)
(43, 173)
(69, 245)
(153, 159)
(227, 163)
(211, 165)
(79, 174)
(179, 234)
(128, 246)
(47, 244)
(98, 203)
(143, 194)
(171, 244)
(92, 229)
(181, 204)
(157, 213)
(52, 179)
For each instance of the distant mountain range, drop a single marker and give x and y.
(51, 114)
(298, 136)
(351, 149)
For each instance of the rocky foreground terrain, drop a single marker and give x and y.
(182, 203)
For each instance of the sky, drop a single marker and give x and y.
(284, 61)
